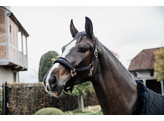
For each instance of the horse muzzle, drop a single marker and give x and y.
(51, 86)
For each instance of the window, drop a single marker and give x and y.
(135, 74)
(15, 77)
(24, 45)
(19, 41)
(152, 73)
(10, 29)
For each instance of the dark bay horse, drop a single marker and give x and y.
(87, 59)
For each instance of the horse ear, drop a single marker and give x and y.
(73, 30)
(88, 27)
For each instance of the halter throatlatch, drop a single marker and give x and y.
(75, 71)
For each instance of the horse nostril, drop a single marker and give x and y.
(48, 89)
(44, 80)
(52, 81)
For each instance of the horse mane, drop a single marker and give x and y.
(117, 61)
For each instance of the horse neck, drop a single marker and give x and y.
(114, 86)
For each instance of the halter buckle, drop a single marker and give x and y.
(96, 52)
(91, 69)
(73, 72)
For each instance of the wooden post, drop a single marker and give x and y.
(81, 103)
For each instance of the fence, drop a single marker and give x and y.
(26, 99)
(3, 99)
(1, 108)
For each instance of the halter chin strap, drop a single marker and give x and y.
(73, 70)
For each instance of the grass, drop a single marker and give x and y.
(90, 110)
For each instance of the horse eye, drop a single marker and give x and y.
(82, 50)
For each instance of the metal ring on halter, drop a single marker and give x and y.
(96, 52)
(73, 72)
(91, 69)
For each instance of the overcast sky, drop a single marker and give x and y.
(124, 30)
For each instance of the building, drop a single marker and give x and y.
(13, 47)
(142, 68)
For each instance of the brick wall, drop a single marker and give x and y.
(2, 35)
(2, 51)
(2, 26)
(13, 41)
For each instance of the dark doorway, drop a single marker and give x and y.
(154, 85)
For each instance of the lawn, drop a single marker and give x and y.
(90, 110)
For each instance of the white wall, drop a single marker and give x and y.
(7, 75)
(143, 74)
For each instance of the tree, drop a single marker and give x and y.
(159, 64)
(81, 90)
(45, 63)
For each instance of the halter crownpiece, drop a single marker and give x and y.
(73, 70)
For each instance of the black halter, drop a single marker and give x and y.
(74, 70)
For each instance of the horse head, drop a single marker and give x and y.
(77, 62)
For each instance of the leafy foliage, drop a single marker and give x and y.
(159, 64)
(46, 62)
(81, 89)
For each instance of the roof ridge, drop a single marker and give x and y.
(152, 48)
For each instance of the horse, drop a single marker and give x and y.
(85, 58)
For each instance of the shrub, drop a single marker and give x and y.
(49, 111)
(46, 63)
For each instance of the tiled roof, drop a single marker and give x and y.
(144, 60)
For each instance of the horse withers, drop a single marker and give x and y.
(85, 58)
